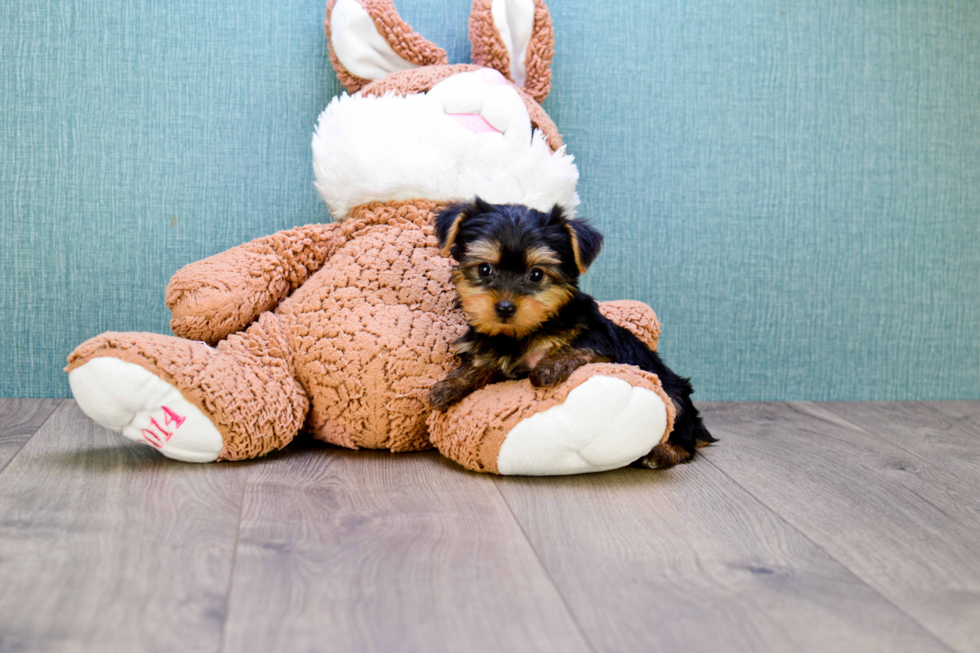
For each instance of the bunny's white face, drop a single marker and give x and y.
(469, 135)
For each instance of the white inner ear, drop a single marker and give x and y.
(359, 46)
(514, 20)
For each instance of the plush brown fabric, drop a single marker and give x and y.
(540, 52)
(246, 385)
(224, 293)
(373, 329)
(406, 42)
(414, 82)
(489, 49)
(635, 316)
(472, 431)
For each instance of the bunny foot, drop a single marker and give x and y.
(128, 399)
(604, 417)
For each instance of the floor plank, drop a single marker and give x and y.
(902, 524)
(370, 551)
(107, 546)
(925, 428)
(686, 561)
(19, 419)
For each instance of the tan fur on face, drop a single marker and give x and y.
(533, 310)
(477, 303)
(483, 251)
(541, 256)
(479, 306)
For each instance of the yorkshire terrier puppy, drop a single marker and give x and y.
(517, 280)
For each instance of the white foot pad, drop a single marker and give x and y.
(603, 424)
(130, 400)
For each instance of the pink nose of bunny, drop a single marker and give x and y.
(474, 122)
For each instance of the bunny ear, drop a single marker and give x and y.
(368, 40)
(516, 38)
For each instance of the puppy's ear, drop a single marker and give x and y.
(447, 225)
(481, 206)
(449, 221)
(586, 243)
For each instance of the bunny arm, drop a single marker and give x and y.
(224, 293)
(636, 317)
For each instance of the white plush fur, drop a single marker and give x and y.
(398, 148)
(603, 424)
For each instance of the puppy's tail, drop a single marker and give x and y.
(689, 431)
(701, 436)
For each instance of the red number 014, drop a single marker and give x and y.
(160, 435)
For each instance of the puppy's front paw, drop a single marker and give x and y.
(443, 395)
(558, 366)
(545, 376)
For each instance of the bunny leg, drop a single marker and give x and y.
(190, 401)
(603, 417)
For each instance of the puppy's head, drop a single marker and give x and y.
(517, 266)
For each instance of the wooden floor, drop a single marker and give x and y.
(809, 527)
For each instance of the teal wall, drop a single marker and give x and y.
(793, 186)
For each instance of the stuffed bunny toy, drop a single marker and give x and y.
(340, 330)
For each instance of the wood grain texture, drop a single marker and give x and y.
(904, 525)
(944, 433)
(800, 531)
(19, 420)
(372, 551)
(107, 546)
(970, 410)
(685, 560)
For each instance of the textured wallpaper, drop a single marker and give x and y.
(793, 186)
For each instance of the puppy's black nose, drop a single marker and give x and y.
(505, 309)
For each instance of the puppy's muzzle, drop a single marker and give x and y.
(505, 309)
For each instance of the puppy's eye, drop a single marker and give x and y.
(536, 275)
(484, 270)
